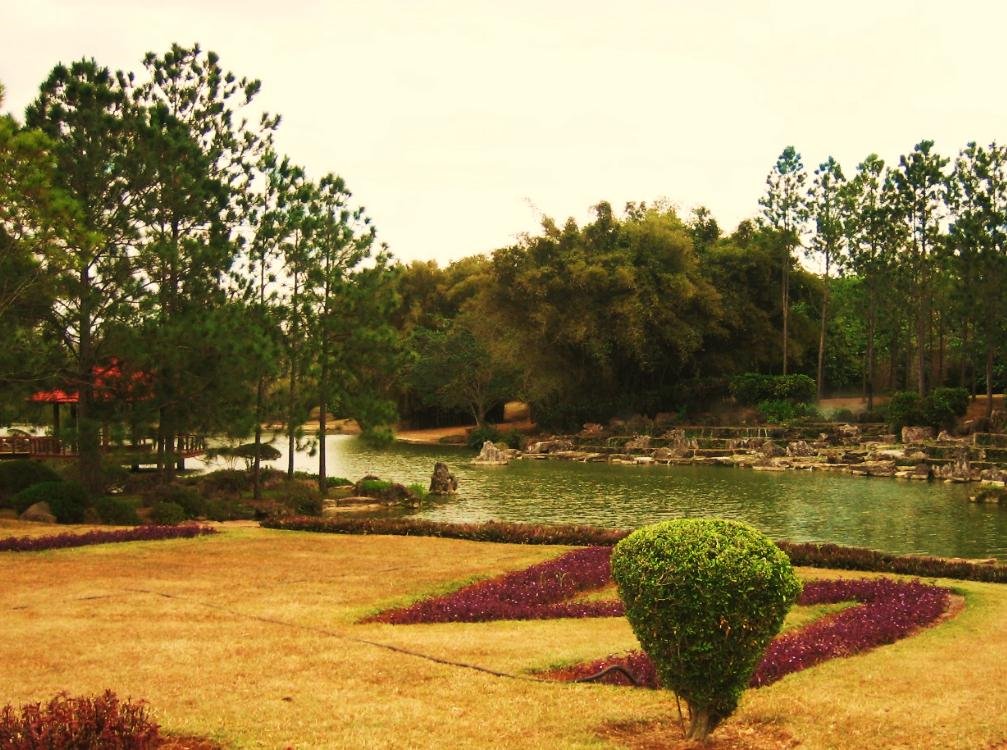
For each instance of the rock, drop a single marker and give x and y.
(800, 448)
(769, 449)
(490, 454)
(958, 470)
(442, 481)
(592, 429)
(922, 471)
(917, 434)
(638, 443)
(39, 513)
(849, 432)
(550, 446)
(853, 458)
(945, 437)
(643, 460)
(879, 468)
(665, 454)
(994, 476)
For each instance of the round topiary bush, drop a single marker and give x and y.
(68, 501)
(704, 597)
(116, 511)
(167, 514)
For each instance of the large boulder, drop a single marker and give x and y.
(800, 448)
(769, 449)
(550, 446)
(917, 434)
(490, 454)
(442, 481)
(39, 513)
(638, 443)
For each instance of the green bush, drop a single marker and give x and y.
(905, 408)
(20, 474)
(182, 495)
(778, 411)
(704, 597)
(373, 487)
(228, 510)
(418, 491)
(67, 500)
(380, 436)
(116, 511)
(480, 435)
(943, 406)
(225, 481)
(303, 498)
(842, 415)
(751, 388)
(167, 514)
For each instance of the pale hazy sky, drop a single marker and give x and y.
(457, 121)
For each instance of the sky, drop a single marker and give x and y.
(460, 123)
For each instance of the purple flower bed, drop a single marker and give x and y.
(889, 610)
(138, 534)
(536, 593)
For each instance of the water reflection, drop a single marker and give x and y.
(887, 514)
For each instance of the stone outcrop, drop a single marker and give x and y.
(39, 512)
(638, 443)
(442, 481)
(800, 448)
(917, 434)
(491, 454)
(550, 446)
(769, 449)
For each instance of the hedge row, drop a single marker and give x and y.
(809, 554)
(139, 534)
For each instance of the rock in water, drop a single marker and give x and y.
(442, 481)
(492, 454)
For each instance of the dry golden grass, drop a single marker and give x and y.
(250, 638)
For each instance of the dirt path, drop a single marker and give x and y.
(437, 434)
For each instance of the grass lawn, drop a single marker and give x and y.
(249, 638)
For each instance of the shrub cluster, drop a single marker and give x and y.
(889, 610)
(535, 593)
(139, 534)
(752, 388)
(779, 410)
(167, 513)
(808, 554)
(20, 474)
(79, 723)
(116, 511)
(940, 409)
(68, 501)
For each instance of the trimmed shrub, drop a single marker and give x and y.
(779, 411)
(301, 497)
(225, 481)
(751, 388)
(228, 510)
(704, 598)
(67, 500)
(182, 495)
(904, 409)
(943, 406)
(20, 474)
(167, 514)
(380, 436)
(842, 415)
(69, 723)
(116, 511)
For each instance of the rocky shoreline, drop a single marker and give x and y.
(859, 450)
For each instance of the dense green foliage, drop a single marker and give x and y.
(751, 388)
(704, 597)
(20, 474)
(116, 511)
(167, 514)
(939, 409)
(68, 501)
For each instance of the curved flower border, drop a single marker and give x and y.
(888, 611)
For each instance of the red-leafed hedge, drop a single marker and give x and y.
(810, 554)
(138, 534)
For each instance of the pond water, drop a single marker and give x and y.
(886, 514)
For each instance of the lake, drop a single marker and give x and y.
(886, 514)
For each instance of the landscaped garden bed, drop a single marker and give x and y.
(138, 534)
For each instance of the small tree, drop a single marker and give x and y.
(704, 597)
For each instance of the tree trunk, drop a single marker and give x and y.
(821, 333)
(921, 353)
(89, 455)
(871, 323)
(292, 408)
(323, 384)
(699, 726)
(786, 305)
(989, 381)
(257, 460)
